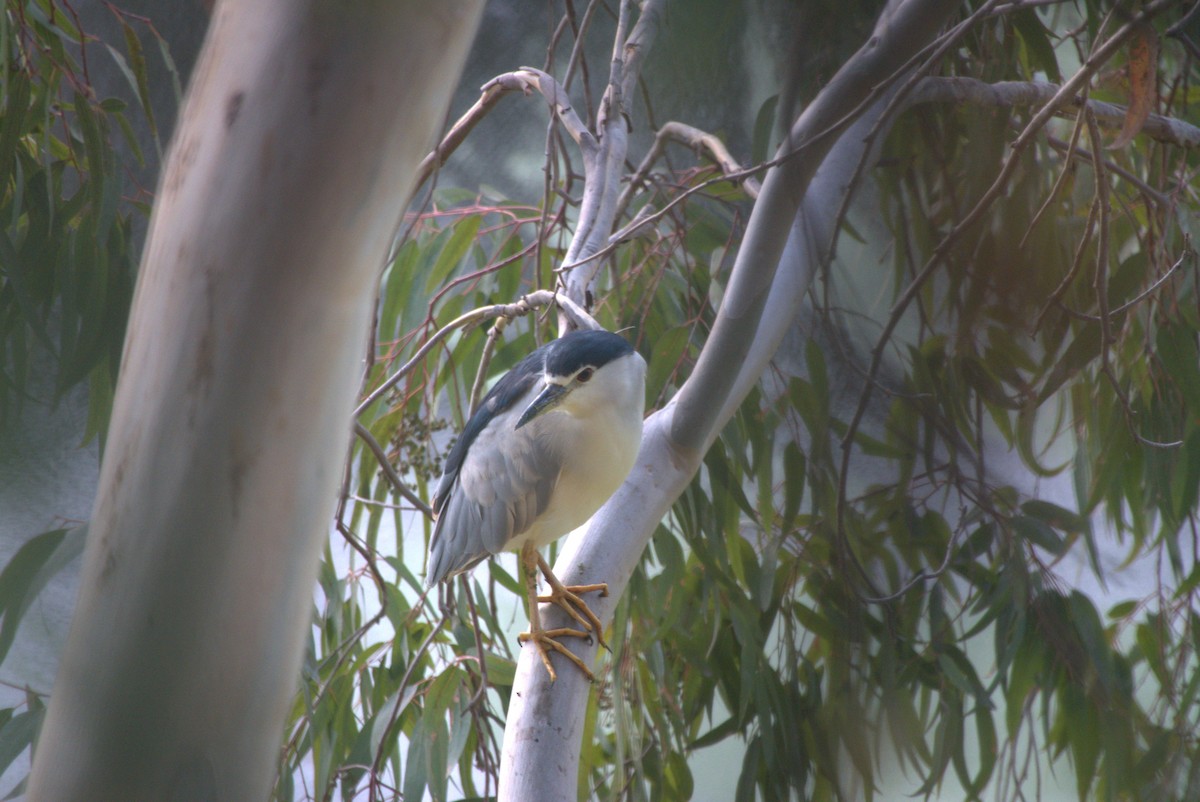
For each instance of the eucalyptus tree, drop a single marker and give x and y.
(287, 174)
(926, 344)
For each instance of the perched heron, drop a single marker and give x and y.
(549, 444)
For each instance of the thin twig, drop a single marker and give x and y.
(1076, 263)
(919, 577)
(1100, 282)
(579, 55)
(489, 347)
(335, 672)
(1083, 154)
(365, 552)
(414, 661)
(1101, 287)
(1144, 294)
(1178, 31)
(393, 478)
(1076, 130)
(521, 307)
(483, 675)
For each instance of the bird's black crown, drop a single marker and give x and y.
(581, 349)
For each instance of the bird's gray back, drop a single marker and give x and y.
(497, 480)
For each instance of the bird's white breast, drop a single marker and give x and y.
(599, 433)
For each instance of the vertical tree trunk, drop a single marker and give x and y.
(295, 152)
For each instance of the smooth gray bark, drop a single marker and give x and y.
(540, 757)
(1038, 93)
(604, 159)
(296, 150)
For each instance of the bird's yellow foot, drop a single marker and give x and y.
(544, 641)
(567, 597)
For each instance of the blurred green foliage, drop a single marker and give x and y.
(67, 256)
(889, 622)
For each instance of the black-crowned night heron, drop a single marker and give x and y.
(549, 444)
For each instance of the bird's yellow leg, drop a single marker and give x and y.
(567, 597)
(544, 639)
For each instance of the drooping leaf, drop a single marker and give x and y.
(1143, 86)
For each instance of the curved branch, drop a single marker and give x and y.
(875, 64)
(529, 78)
(610, 548)
(524, 80)
(697, 140)
(458, 132)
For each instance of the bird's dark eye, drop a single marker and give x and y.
(584, 375)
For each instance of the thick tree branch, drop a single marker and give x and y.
(1036, 93)
(296, 150)
(616, 536)
(603, 168)
(890, 47)
(1071, 89)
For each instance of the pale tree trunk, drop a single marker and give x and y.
(542, 738)
(296, 150)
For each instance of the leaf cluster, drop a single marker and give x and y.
(67, 249)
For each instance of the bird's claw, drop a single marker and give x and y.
(544, 641)
(567, 598)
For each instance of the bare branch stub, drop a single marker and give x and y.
(698, 140)
(528, 79)
(524, 80)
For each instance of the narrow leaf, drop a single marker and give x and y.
(1143, 71)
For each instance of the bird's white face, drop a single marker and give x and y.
(619, 384)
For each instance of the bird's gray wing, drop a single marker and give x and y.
(503, 483)
(497, 478)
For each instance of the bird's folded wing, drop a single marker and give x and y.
(503, 484)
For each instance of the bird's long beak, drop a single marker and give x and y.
(546, 400)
